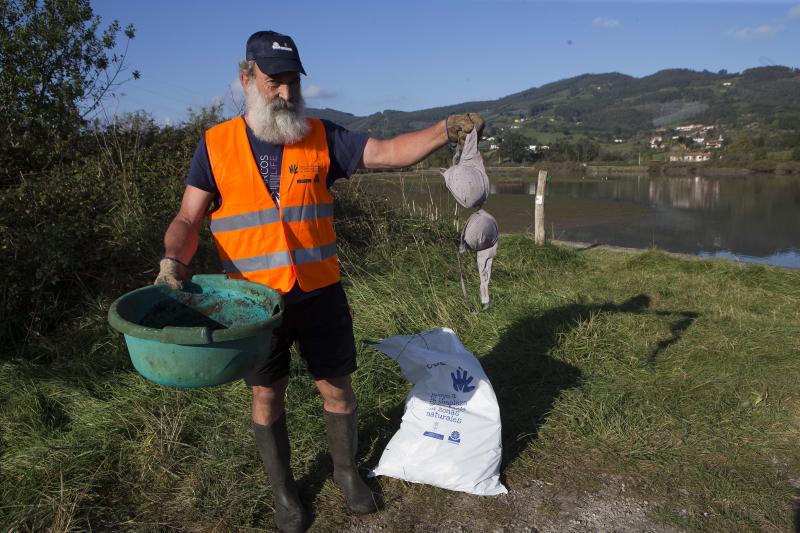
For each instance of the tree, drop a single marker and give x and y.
(55, 69)
(514, 147)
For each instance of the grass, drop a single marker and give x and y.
(677, 377)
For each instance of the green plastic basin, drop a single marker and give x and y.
(213, 331)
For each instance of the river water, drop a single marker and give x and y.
(751, 219)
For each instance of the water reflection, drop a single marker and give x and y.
(513, 187)
(752, 218)
(686, 193)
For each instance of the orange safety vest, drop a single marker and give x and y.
(258, 241)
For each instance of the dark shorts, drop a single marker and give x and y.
(322, 326)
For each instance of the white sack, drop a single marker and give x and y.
(450, 433)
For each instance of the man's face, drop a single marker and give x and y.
(275, 106)
(285, 85)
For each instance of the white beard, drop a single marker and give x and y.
(275, 121)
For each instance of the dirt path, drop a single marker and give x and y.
(537, 507)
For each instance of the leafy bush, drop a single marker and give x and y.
(74, 68)
(95, 227)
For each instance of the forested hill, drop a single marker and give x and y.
(617, 104)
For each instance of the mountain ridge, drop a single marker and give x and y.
(613, 103)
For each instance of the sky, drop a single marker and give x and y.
(364, 57)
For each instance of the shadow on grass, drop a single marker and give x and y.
(527, 380)
(796, 504)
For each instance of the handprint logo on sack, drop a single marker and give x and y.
(461, 382)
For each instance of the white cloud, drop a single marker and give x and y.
(235, 89)
(795, 11)
(603, 22)
(315, 91)
(757, 32)
(233, 100)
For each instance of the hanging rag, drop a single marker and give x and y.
(480, 234)
(466, 179)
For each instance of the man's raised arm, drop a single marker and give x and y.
(411, 148)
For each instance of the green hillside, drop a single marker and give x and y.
(758, 110)
(617, 104)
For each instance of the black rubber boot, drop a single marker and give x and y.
(342, 432)
(273, 445)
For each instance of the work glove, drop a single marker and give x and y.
(172, 273)
(459, 125)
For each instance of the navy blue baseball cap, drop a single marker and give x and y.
(273, 53)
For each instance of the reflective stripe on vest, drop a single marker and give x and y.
(279, 259)
(257, 240)
(301, 213)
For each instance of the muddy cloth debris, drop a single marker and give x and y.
(480, 234)
(467, 180)
(468, 183)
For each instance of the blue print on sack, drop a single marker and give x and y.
(437, 436)
(462, 382)
(454, 437)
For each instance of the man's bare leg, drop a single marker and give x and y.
(337, 394)
(269, 402)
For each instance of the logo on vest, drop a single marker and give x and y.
(293, 169)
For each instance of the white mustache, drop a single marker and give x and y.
(276, 121)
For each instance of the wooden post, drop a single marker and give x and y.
(538, 228)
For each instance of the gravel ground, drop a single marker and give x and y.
(536, 507)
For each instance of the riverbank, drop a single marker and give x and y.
(655, 169)
(637, 391)
(688, 257)
(705, 169)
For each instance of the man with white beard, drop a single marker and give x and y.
(268, 175)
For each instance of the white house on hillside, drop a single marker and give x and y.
(691, 157)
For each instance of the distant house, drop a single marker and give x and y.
(689, 127)
(691, 157)
(699, 140)
(618, 141)
(726, 84)
(493, 147)
(532, 147)
(656, 142)
(713, 144)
